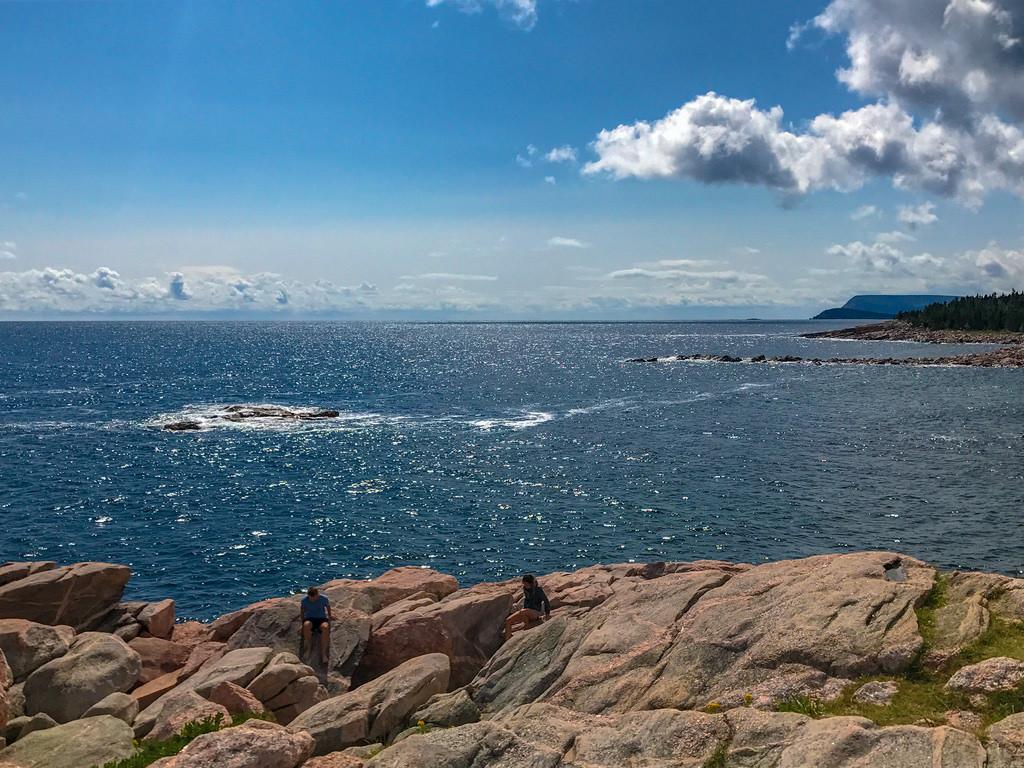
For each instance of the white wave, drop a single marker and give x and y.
(621, 402)
(525, 420)
(211, 417)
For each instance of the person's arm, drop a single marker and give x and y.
(327, 605)
(302, 612)
(546, 603)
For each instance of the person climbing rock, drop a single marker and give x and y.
(536, 608)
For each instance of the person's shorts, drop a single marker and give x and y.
(316, 623)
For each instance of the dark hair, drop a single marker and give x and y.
(529, 578)
(312, 591)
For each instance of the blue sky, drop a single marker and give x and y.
(461, 158)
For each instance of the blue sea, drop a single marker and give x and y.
(488, 450)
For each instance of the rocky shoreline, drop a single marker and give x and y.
(1008, 357)
(847, 661)
(897, 330)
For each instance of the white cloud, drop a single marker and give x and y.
(8, 250)
(947, 74)
(917, 215)
(895, 236)
(522, 13)
(457, 276)
(864, 212)
(563, 154)
(550, 180)
(526, 160)
(884, 257)
(566, 242)
(749, 250)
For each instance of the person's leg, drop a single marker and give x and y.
(307, 637)
(325, 641)
(523, 617)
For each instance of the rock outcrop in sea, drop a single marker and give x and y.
(844, 660)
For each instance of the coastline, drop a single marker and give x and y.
(896, 330)
(857, 654)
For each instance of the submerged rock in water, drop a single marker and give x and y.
(241, 413)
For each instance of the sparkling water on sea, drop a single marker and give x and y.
(487, 450)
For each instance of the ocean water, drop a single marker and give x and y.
(488, 450)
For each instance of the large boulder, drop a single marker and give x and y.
(276, 625)
(81, 744)
(466, 626)
(378, 709)
(29, 645)
(13, 571)
(694, 637)
(158, 656)
(234, 698)
(79, 595)
(254, 744)
(95, 666)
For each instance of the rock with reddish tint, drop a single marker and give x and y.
(253, 744)
(158, 656)
(411, 603)
(296, 699)
(177, 709)
(1006, 743)
(28, 645)
(335, 760)
(147, 693)
(234, 698)
(78, 595)
(202, 654)
(6, 681)
(376, 710)
(13, 571)
(95, 666)
(466, 626)
(158, 619)
(190, 633)
(391, 586)
(988, 676)
(276, 678)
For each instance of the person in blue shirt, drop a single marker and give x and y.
(315, 613)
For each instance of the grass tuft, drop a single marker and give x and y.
(148, 752)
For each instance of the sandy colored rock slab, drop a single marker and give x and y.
(28, 645)
(13, 571)
(177, 710)
(377, 709)
(95, 666)
(77, 595)
(158, 656)
(998, 674)
(90, 742)
(335, 760)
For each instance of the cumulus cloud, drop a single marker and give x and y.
(884, 257)
(947, 74)
(564, 154)
(550, 180)
(917, 215)
(525, 159)
(53, 290)
(566, 242)
(8, 250)
(895, 236)
(522, 13)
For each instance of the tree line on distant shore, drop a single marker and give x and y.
(995, 312)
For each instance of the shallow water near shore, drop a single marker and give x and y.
(486, 450)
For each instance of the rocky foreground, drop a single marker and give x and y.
(838, 661)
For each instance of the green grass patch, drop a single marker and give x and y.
(718, 757)
(148, 752)
(922, 696)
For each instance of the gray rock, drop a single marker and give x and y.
(90, 742)
(95, 666)
(24, 725)
(1006, 743)
(877, 693)
(448, 710)
(178, 709)
(998, 674)
(376, 710)
(119, 705)
(28, 645)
